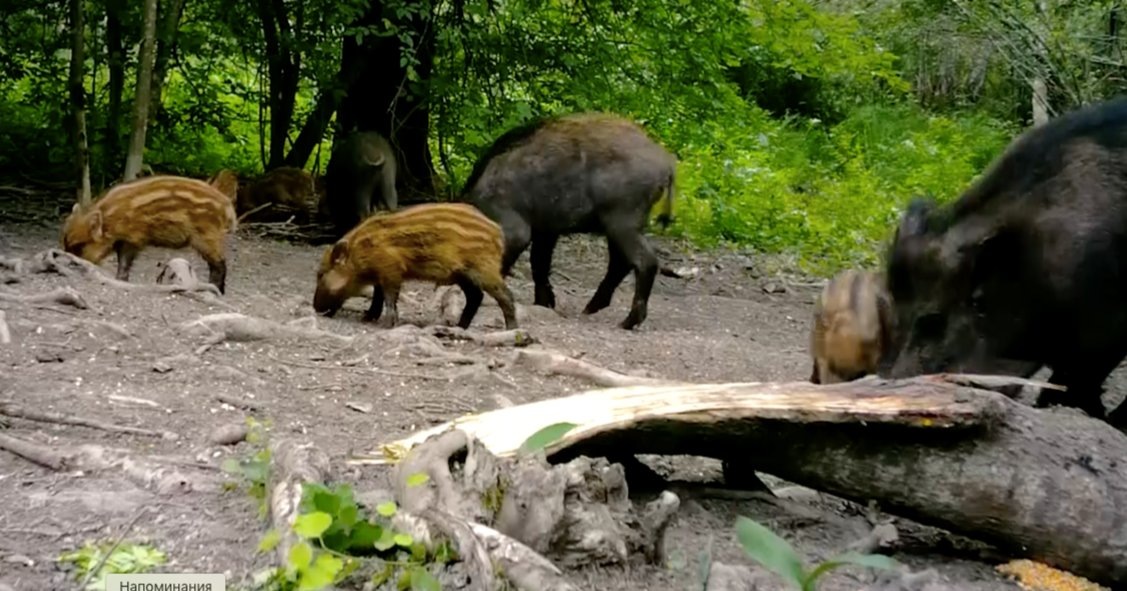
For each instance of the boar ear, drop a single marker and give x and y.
(340, 253)
(95, 225)
(915, 217)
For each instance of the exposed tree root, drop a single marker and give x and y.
(292, 464)
(5, 333)
(146, 472)
(529, 516)
(62, 295)
(110, 326)
(68, 265)
(1041, 483)
(553, 363)
(10, 410)
(235, 327)
(178, 272)
(517, 337)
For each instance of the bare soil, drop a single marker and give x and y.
(738, 319)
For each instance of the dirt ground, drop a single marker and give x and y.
(739, 319)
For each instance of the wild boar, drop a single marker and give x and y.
(163, 211)
(445, 243)
(360, 178)
(1028, 267)
(227, 181)
(291, 191)
(852, 327)
(593, 173)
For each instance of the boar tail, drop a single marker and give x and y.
(666, 216)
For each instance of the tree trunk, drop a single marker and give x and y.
(284, 67)
(78, 102)
(1040, 102)
(328, 100)
(115, 61)
(382, 100)
(1047, 484)
(172, 10)
(142, 96)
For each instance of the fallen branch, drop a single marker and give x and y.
(5, 334)
(517, 337)
(68, 265)
(145, 472)
(362, 370)
(1041, 483)
(178, 272)
(237, 327)
(552, 363)
(10, 410)
(62, 295)
(292, 464)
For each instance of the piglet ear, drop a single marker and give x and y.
(95, 224)
(340, 253)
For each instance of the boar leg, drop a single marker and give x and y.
(376, 309)
(497, 290)
(473, 300)
(617, 269)
(212, 254)
(126, 254)
(642, 258)
(390, 307)
(543, 245)
(517, 236)
(814, 377)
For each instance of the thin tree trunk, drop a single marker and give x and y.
(142, 96)
(115, 60)
(283, 68)
(172, 11)
(78, 102)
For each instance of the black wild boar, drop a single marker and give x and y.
(852, 327)
(446, 243)
(360, 178)
(1027, 268)
(582, 173)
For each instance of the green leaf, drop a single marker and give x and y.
(422, 580)
(231, 466)
(386, 540)
(878, 561)
(312, 525)
(269, 540)
(301, 554)
(365, 535)
(403, 540)
(546, 436)
(347, 516)
(386, 509)
(417, 479)
(773, 552)
(320, 574)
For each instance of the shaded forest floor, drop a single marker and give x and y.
(737, 319)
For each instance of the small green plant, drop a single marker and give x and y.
(336, 540)
(545, 437)
(255, 468)
(773, 552)
(107, 559)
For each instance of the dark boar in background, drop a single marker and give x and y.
(852, 327)
(583, 173)
(360, 178)
(1027, 268)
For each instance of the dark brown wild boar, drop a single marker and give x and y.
(292, 191)
(445, 243)
(227, 182)
(852, 327)
(163, 211)
(582, 173)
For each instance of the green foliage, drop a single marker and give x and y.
(776, 554)
(255, 468)
(125, 558)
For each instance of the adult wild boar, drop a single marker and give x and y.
(592, 173)
(1027, 268)
(360, 178)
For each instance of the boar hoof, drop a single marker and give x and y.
(545, 298)
(385, 322)
(632, 321)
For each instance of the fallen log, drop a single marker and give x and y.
(1046, 484)
(292, 465)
